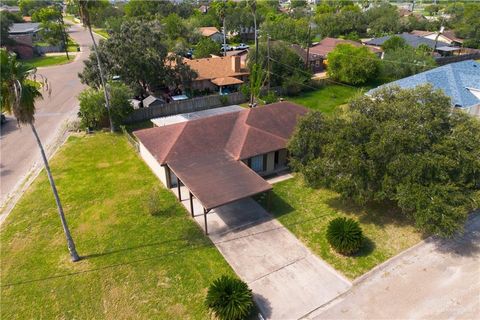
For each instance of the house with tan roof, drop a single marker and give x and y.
(447, 36)
(222, 158)
(212, 33)
(218, 74)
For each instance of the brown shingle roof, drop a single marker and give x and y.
(327, 45)
(208, 31)
(205, 153)
(225, 81)
(211, 68)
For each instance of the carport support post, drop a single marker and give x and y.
(191, 203)
(178, 190)
(205, 211)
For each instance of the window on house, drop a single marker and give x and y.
(275, 161)
(256, 163)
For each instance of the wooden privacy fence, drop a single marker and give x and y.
(185, 106)
(446, 60)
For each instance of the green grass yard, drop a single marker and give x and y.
(136, 266)
(101, 32)
(327, 98)
(47, 61)
(306, 213)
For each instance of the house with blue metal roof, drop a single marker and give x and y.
(460, 81)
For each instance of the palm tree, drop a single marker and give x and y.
(84, 6)
(20, 89)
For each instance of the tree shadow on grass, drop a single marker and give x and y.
(379, 214)
(367, 248)
(275, 205)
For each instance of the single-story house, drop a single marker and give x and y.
(460, 81)
(212, 33)
(222, 158)
(24, 35)
(411, 39)
(318, 52)
(243, 54)
(218, 74)
(447, 36)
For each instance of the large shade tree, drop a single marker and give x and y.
(406, 147)
(354, 65)
(20, 91)
(140, 58)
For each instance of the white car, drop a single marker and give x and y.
(242, 46)
(226, 47)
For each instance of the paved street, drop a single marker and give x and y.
(435, 280)
(19, 151)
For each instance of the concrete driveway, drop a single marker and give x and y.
(288, 281)
(433, 280)
(19, 151)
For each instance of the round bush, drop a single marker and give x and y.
(229, 298)
(345, 235)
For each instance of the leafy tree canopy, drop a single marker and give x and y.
(93, 113)
(468, 26)
(406, 147)
(394, 43)
(139, 56)
(405, 61)
(206, 47)
(354, 65)
(284, 63)
(6, 20)
(51, 21)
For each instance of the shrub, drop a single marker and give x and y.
(270, 97)
(229, 298)
(154, 202)
(344, 235)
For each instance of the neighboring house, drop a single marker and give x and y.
(222, 74)
(7, 8)
(460, 81)
(318, 52)
(315, 61)
(203, 9)
(152, 101)
(243, 54)
(222, 158)
(24, 35)
(212, 33)
(411, 39)
(448, 36)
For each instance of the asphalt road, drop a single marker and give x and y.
(438, 279)
(19, 151)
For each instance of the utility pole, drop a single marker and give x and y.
(224, 37)
(268, 62)
(307, 59)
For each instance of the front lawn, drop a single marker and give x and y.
(47, 61)
(306, 213)
(325, 99)
(101, 32)
(135, 266)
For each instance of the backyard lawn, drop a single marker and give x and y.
(306, 213)
(101, 32)
(325, 99)
(135, 265)
(47, 61)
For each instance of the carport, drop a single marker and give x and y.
(216, 180)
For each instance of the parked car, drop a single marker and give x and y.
(242, 46)
(3, 119)
(226, 47)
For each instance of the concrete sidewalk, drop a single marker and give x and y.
(437, 279)
(288, 281)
